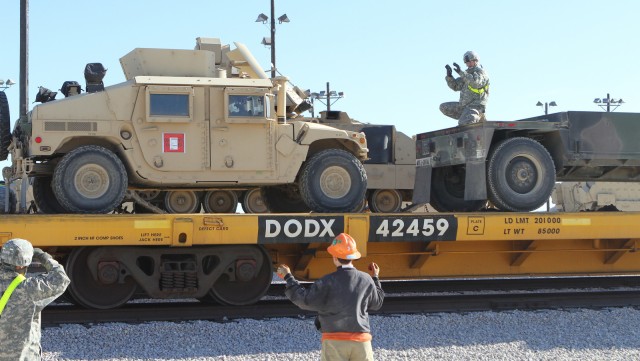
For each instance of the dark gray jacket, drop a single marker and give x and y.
(342, 299)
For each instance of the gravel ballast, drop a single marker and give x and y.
(578, 334)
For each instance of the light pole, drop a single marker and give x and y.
(6, 84)
(605, 103)
(546, 106)
(328, 95)
(271, 41)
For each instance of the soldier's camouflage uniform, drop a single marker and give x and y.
(20, 320)
(473, 85)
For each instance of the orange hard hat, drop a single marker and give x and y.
(344, 247)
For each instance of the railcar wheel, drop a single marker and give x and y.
(107, 290)
(220, 202)
(244, 282)
(385, 201)
(46, 201)
(521, 175)
(182, 202)
(333, 180)
(5, 126)
(252, 202)
(283, 199)
(90, 179)
(447, 191)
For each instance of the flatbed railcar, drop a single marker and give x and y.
(230, 258)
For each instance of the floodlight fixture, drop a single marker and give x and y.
(262, 18)
(283, 19)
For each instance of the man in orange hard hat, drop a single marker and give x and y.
(342, 300)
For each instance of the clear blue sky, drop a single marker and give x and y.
(387, 57)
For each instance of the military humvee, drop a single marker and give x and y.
(191, 126)
(515, 164)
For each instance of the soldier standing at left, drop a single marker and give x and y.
(24, 298)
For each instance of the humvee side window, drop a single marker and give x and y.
(169, 105)
(246, 106)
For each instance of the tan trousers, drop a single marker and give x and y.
(334, 350)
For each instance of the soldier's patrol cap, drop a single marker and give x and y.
(17, 252)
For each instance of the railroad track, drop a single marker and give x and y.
(395, 303)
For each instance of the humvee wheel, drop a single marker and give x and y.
(333, 180)
(105, 292)
(182, 202)
(252, 202)
(5, 126)
(90, 179)
(245, 281)
(385, 201)
(521, 175)
(447, 191)
(46, 201)
(220, 202)
(283, 199)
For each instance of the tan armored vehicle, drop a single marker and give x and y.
(187, 129)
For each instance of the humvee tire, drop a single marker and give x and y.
(333, 180)
(46, 201)
(252, 202)
(3, 200)
(283, 199)
(385, 201)
(521, 175)
(90, 179)
(220, 201)
(447, 191)
(5, 126)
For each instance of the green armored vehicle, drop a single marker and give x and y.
(515, 164)
(188, 129)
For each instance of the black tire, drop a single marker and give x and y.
(90, 179)
(385, 201)
(521, 175)
(283, 199)
(252, 202)
(5, 126)
(220, 201)
(46, 201)
(3, 200)
(333, 180)
(447, 191)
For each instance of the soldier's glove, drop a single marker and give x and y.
(374, 270)
(43, 258)
(456, 67)
(38, 254)
(283, 271)
(449, 74)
